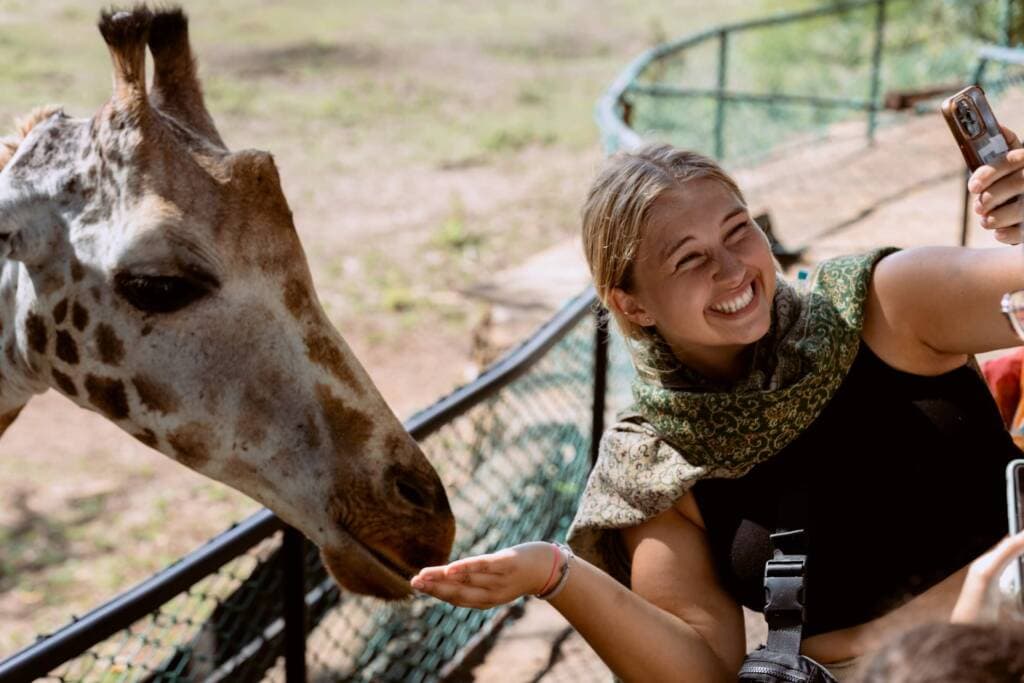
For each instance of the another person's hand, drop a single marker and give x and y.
(980, 598)
(996, 183)
(495, 579)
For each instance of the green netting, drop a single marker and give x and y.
(514, 466)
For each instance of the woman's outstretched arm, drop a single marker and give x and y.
(930, 307)
(678, 624)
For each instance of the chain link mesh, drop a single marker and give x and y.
(514, 466)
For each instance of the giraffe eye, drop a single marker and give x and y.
(162, 293)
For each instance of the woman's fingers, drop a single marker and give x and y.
(985, 176)
(1000, 192)
(463, 595)
(494, 563)
(999, 557)
(503, 575)
(1011, 138)
(1003, 216)
(1008, 235)
(977, 599)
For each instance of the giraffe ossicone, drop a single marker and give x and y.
(154, 276)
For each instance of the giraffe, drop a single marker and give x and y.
(154, 276)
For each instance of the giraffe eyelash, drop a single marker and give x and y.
(162, 293)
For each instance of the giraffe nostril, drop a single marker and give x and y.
(420, 489)
(413, 493)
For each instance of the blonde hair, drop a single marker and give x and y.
(617, 209)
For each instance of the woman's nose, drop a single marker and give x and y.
(729, 267)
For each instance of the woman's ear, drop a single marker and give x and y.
(629, 307)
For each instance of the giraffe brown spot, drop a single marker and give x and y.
(323, 351)
(237, 471)
(154, 395)
(108, 396)
(97, 295)
(348, 428)
(147, 437)
(67, 350)
(146, 329)
(189, 444)
(64, 383)
(297, 298)
(60, 311)
(77, 271)
(37, 335)
(109, 345)
(8, 418)
(79, 316)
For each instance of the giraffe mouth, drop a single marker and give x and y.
(362, 569)
(387, 562)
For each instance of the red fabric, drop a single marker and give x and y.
(1003, 376)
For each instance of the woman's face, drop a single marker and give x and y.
(704, 276)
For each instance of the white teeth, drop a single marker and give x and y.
(736, 304)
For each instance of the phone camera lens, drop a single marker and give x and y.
(967, 118)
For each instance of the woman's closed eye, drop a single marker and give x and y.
(690, 260)
(738, 232)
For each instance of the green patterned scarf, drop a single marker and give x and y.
(684, 428)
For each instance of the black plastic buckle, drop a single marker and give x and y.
(784, 587)
(784, 577)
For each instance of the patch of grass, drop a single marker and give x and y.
(453, 235)
(513, 139)
(397, 298)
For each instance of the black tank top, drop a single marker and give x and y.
(906, 485)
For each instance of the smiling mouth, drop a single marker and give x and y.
(738, 304)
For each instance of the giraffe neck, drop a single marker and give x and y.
(19, 381)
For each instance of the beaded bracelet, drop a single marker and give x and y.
(567, 553)
(554, 567)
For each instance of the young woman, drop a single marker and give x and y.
(856, 395)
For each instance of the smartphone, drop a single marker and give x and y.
(1015, 513)
(974, 126)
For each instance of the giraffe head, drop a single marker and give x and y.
(157, 278)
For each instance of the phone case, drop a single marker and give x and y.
(974, 126)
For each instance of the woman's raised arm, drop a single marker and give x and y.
(930, 307)
(679, 624)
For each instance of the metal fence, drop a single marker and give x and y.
(513, 448)
(740, 91)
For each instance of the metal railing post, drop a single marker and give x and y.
(294, 607)
(876, 71)
(723, 65)
(1007, 20)
(600, 380)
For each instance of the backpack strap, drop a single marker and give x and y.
(784, 591)
(784, 573)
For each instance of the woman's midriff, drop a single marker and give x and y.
(934, 604)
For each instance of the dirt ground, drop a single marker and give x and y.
(423, 147)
